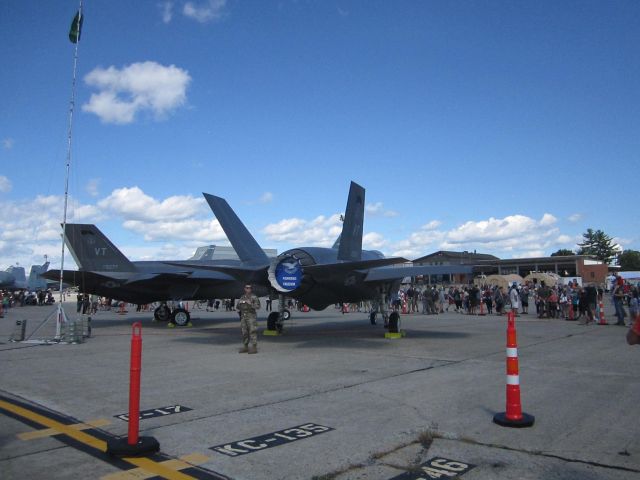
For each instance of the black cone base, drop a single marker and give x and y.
(502, 420)
(120, 447)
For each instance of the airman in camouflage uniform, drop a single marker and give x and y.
(248, 305)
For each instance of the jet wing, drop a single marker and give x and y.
(235, 272)
(345, 267)
(391, 273)
(74, 277)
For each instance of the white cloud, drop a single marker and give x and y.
(204, 12)
(92, 187)
(189, 229)
(373, 240)
(511, 236)
(432, 225)
(5, 184)
(7, 143)
(31, 228)
(139, 87)
(133, 204)
(378, 209)
(498, 229)
(565, 239)
(266, 197)
(321, 231)
(575, 217)
(166, 10)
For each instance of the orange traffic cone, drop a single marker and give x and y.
(404, 308)
(571, 315)
(603, 321)
(513, 417)
(482, 312)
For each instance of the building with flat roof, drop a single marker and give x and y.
(585, 266)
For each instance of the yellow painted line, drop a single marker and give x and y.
(144, 463)
(186, 461)
(59, 427)
(48, 432)
(157, 468)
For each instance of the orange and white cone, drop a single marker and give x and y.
(514, 416)
(603, 321)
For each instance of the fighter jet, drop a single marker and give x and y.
(13, 278)
(319, 277)
(105, 271)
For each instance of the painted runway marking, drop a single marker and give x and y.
(156, 412)
(250, 445)
(437, 467)
(71, 432)
(48, 432)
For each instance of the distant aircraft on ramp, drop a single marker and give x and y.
(14, 278)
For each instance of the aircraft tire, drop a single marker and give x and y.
(286, 315)
(272, 321)
(372, 318)
(162, 313)
(394, 322)
(181, 317)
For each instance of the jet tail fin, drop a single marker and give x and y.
(93, 251)
(350, 241)
(242, 241)
(36, 281)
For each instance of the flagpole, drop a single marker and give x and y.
(68, 168)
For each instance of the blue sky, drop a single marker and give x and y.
(506, 127)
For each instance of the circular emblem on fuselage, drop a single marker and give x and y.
(286, 275)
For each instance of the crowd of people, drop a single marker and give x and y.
(571, 301)
(20, 298)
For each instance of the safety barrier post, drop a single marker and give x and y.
(134, 445)
(514, 416)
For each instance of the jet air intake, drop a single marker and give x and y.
(286, 272)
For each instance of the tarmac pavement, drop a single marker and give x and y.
(329, 399)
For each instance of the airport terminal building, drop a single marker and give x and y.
(585, 266)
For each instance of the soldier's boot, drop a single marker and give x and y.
(253, 349)
(244, 349)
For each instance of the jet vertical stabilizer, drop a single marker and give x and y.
(36, 281)
(350, 241)
(242, 241)
(93, 251)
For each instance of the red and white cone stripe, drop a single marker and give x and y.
(602, 319)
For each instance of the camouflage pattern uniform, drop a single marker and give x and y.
(248, 305)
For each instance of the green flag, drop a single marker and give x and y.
(76, 27)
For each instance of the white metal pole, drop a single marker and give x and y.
(60, 315)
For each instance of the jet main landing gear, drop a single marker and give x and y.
(179, 316)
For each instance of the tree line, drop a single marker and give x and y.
(601, 246)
